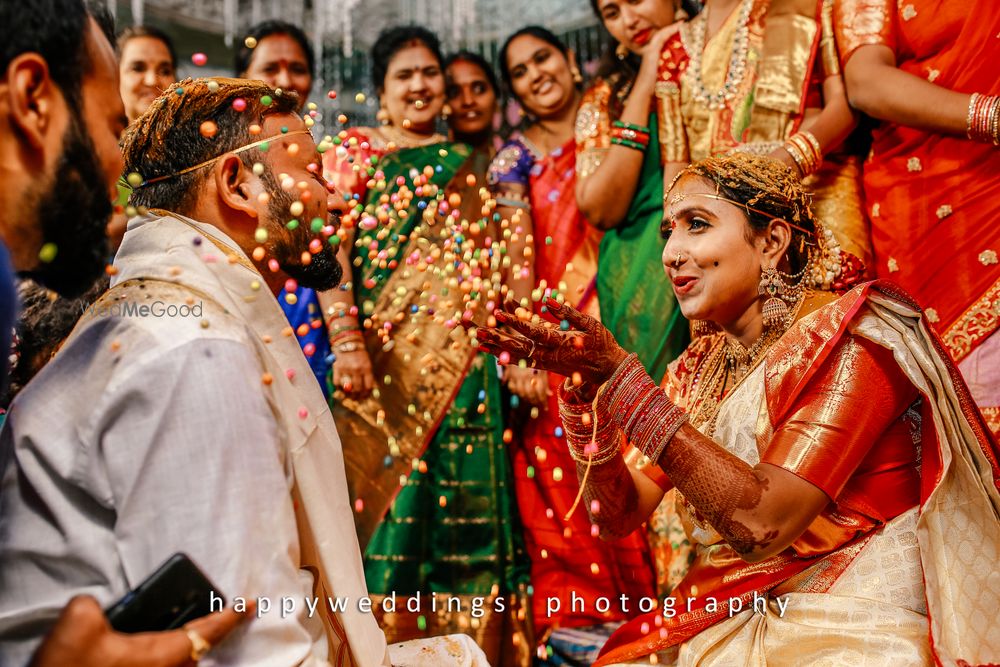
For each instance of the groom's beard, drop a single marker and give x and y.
(323, 272)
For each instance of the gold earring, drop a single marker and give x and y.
(577, 77)
(621, 51)
(382, 116)
(771, 285)
(445, 112)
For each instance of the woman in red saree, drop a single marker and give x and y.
(839, 487)
(533, 179)
(926, 69)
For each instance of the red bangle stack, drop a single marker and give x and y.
(983, 123)
(591, 440)
(640, 408)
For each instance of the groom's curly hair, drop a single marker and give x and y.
(168, 137)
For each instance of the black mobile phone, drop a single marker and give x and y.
(175, 594)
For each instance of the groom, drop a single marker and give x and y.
(202, 434)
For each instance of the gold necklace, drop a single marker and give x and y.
(737, 60)
(730, 363)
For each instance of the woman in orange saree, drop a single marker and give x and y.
(839, 487)
(533, 179)
(926, 69)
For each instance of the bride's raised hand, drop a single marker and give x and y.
(577, 344)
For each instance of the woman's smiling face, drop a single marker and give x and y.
(471, 97)
(413, 88)
(540, 76)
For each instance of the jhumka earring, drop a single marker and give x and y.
(382, 116)
(577, 77)
(772, 287)
(621, 51)
(779, 294)
(445, 112)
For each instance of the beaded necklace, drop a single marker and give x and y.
(737, 59)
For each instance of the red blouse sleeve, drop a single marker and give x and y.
(861, 22)
(858, 393)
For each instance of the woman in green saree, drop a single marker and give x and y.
(426, 461)
(620, 181)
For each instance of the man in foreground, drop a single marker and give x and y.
(59, 123)
(200, 432)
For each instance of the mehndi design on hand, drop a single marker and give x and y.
(578, 345)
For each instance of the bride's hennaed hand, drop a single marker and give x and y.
(577, 346)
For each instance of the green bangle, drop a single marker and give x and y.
(629, 126)
(338, 330)
(630, 144)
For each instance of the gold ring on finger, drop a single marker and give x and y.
(199, 645)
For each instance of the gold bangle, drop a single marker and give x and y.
(971, 117)
(814, 144)
(800, 160)
(809, 150)
(983, 120)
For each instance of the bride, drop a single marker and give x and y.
(825, 453)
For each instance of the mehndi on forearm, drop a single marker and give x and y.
(718, 484)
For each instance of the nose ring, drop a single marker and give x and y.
(677, 262)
